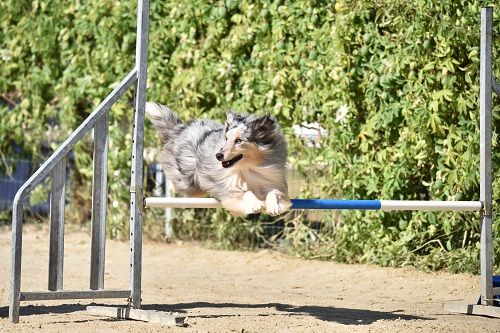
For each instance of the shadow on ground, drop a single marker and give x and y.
(331, 314)
(343, 316)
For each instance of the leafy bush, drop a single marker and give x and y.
(395, 85)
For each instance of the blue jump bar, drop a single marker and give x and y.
(335, 204)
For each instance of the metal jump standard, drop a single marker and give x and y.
(98, 121)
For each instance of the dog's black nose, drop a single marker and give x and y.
(219, 156)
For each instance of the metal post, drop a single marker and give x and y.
(57, 202)
(169, 230)
(136, 198)
(99, 201)
(16, 251)
(161, 178)
(486, 255)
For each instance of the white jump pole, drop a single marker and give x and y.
(385, 205)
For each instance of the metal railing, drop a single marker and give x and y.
(55, 167)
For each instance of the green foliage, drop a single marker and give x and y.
(405, 74)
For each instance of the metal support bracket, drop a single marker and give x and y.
(139, 197)
(151, 316)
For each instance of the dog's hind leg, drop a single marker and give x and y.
(243, 204)
(276, 203)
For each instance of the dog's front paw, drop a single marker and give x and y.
(245, 205)
(252, 203)
(276, 203)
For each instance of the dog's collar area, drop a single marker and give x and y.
(227, 164)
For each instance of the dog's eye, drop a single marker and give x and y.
(238, 141)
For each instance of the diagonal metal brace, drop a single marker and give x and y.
(495, 86)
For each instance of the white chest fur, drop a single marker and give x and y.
(260, 180)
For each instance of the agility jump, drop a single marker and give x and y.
(98, 121)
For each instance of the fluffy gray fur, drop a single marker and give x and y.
(189, 159)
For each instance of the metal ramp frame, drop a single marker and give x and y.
(54, 166)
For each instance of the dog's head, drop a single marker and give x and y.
(247, 139)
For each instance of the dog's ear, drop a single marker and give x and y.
(264, 123)
(263, 130)
(232, 119)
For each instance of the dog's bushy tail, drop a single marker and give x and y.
(166, 122)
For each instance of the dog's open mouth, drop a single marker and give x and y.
(227, 164)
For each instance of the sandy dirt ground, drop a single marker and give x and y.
(224, 291)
